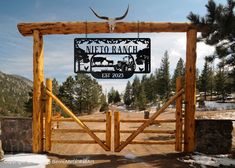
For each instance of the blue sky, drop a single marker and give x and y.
(16, 50)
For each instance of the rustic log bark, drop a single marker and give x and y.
(46, 28)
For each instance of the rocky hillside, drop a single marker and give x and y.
(14, 93)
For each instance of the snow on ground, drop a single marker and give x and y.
(130, 156)
(219, 106)
(24, 160)
(208, 160)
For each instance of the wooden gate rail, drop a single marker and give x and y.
(118, 146)
(72, 120)
(77, 130)
(72, 115)
(150, 131)
(64, 130)
(76, 141)
(143, 120)
(152, 142)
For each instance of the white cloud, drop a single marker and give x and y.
(202, 51)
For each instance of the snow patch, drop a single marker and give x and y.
(206, 160)
(24, 160)
(130, 156)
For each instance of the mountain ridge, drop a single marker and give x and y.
(14, 93)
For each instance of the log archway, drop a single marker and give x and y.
(38, 30)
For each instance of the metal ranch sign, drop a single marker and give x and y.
(112, 58)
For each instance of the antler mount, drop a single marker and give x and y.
(111, 21)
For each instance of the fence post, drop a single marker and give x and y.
(178, 116)
(190, 91)
(38, 82)
(108, 129)
(116, 130)
(48, 116)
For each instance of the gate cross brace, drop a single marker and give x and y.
(70, 113)
(148, 122)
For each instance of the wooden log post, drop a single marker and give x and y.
(48, 116)
(108, 129)
(116, 130)
(190, 89)
(178, 116)
(38, 79)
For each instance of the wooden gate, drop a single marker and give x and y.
(119, 145)
(105, 144)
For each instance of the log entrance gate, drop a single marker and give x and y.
(37, 30)
(106, 144)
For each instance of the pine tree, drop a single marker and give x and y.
(111, 95)
(141, 99)
(139, 96)
(67, 93)
(179, 71)
(82, 94)
(157, 83)
(117, 97)
(55, 91)
(128, 95)
(148, 84)
(164, 77)
(222, 82)
(29, 104)
(205, 79)
(55, 87)
(88, 93)
(136, 91)
(104, 104)
(220, 22)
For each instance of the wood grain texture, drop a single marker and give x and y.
(190, 91)
(178, 116)
(76, 141)
(54, 119)
(108, 129)
(46, 28)
(48, 117)
(152, 142)
(150, 131)
(143, 120)
(116, 130)
(38, 79)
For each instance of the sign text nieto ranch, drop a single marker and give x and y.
(112, 58)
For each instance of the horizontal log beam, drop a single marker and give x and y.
(77, 130)
(152, 142)
(46, 28)
(143, 120)
(72, 120)
(150, 131)
(75, 141)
